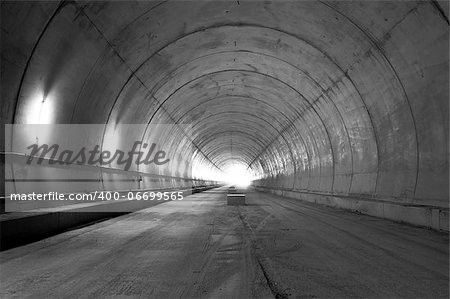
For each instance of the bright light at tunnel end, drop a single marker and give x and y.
(238, 174)
(233, 173)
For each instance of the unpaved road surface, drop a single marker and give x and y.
(200, 247)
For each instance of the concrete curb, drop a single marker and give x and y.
(436, 218)
(26, 227)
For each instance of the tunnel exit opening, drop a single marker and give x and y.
(238, 174)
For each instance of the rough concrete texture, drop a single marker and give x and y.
(202, 248)
(423, 216)
(19, 228)
(333, 98)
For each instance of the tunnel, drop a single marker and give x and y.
(330, 117)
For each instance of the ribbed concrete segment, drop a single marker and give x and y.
(331, 97)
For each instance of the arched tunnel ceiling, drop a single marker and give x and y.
(335, 97)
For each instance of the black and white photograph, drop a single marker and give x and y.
(221, 149)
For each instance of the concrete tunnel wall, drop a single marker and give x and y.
(325, 101)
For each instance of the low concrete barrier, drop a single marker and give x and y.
(21, 228)
(419, 215)
(236, 199)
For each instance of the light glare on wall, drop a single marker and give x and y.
(40, 110)
(200, 171)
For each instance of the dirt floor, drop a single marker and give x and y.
(200, 247)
